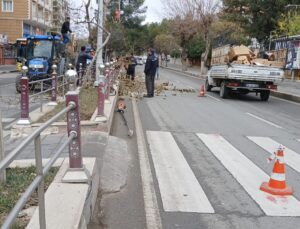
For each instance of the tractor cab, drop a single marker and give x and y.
(42, 52)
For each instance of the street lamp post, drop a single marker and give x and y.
(99, 35)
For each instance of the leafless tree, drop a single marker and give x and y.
(81, 16)
(192, 17)
(182, 13)
(206, 14)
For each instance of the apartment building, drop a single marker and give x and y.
(19, 18)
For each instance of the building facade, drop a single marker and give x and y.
(19, 18)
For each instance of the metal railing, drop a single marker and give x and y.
(53, 88)
(73, 123)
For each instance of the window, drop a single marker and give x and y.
(7, 6)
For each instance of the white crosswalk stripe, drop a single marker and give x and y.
(291, 158)
(179, 188)
(250, 177)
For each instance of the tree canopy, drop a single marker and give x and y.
(258, 18)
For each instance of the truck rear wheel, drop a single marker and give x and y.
(264, 95)
(224, 90)
(207, 86)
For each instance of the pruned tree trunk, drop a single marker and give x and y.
(203, 68)
(184, 60)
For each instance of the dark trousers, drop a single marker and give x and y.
(150, 84)
(131, 72)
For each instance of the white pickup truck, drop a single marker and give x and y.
(243, 79)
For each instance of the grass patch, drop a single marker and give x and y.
(17, 180)
(88, 98)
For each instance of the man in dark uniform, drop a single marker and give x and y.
(65, 29)
(82, 58)
(150, 71)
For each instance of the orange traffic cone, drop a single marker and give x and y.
(276, 184)
(202, 91)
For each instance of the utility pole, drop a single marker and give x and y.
(99, 36)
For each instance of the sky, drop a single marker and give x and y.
(154, 12)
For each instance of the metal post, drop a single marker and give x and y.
(107, 88)
(54, 87)
(101, 100)
(24, 120)
(99, 60)
(2, 155)
(39, 171)
(63, 86)
(80, 74)
(73, 122)
(41, 96)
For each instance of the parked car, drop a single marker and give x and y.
(139, 60)
(144, 58)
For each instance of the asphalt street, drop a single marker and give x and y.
(219, 147)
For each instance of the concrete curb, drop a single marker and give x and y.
(286, 96)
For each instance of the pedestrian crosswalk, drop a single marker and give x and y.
(181, 191)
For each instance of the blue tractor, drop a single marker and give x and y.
(42, 51)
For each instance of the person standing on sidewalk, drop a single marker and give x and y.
(150, 71)
(82, 59)
(131, 67)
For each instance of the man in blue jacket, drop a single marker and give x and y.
(150, 71)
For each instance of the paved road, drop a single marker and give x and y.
(208, 157)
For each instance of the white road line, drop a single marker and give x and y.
(179, 188)
(213, 98)
(263, 120)
(153, 218)
(250, 177)
(291, 158)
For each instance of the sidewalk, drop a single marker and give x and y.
(7, 69)
(287, 89)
